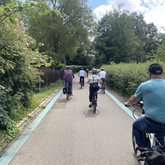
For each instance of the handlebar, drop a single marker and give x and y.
(140, 104)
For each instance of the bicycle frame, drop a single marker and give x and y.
(149, 138)
(103, 87)
(68, 91)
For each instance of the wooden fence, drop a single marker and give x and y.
(49, 76)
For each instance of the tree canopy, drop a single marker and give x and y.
(124, 37)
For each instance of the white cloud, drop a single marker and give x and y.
(101, 10)
(153, 10)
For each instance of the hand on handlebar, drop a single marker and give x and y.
(126, 104)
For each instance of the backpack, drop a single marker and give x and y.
(155, 155)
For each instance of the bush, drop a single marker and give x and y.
(76, 69)
(126, 77)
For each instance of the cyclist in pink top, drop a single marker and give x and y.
(68, 77)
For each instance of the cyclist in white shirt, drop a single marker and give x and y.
(81, 75)
(94, 79)
(102, 75)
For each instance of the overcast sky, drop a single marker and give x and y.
(153, 10)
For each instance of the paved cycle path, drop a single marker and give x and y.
(71, 134)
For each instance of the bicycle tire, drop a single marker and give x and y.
(94, 108)
(67, 96)
(134, 144)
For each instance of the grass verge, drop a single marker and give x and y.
(36, 100)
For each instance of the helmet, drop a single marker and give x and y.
(102, 68)
(67, 67)
(94, 71)
(81, 68)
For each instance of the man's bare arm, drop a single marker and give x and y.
(132, 100)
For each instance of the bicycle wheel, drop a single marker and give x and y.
(67, 96)
(81, 84)
(94, 104)
(136, 152)
(94, 108)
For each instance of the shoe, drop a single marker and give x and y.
(141, 158)
(90, 105)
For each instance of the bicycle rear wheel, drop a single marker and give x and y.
(94, 108)
(93, 104)
(134, 143)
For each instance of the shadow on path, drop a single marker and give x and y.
(90, 113)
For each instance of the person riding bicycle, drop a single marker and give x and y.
(153, 94)
(87, 71)
(81, 75)
(93, 80)
(68, 77)
(102, 75)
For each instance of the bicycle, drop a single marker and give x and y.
(68, 90)
(149, 138)
(94, 101)
(87, 74)
(103, 87)
(81, 82)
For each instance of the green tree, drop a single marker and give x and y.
(62, 34)
(116, 39)
(147, 37)
(159, 53)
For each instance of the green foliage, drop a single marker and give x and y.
(61, 66)
(159, 53)
(17, 60)
(11, 129)
(126, 77)
(63, 32)
(124, 37)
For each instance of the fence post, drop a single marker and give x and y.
(40, 84)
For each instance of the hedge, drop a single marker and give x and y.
(76, 69)
(126, 77)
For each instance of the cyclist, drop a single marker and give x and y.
(68, 77)
(81, 75)
(153, 94)
(102, 75)
(94, 79)
(87, 71)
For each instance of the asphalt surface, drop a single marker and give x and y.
(71, 134)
